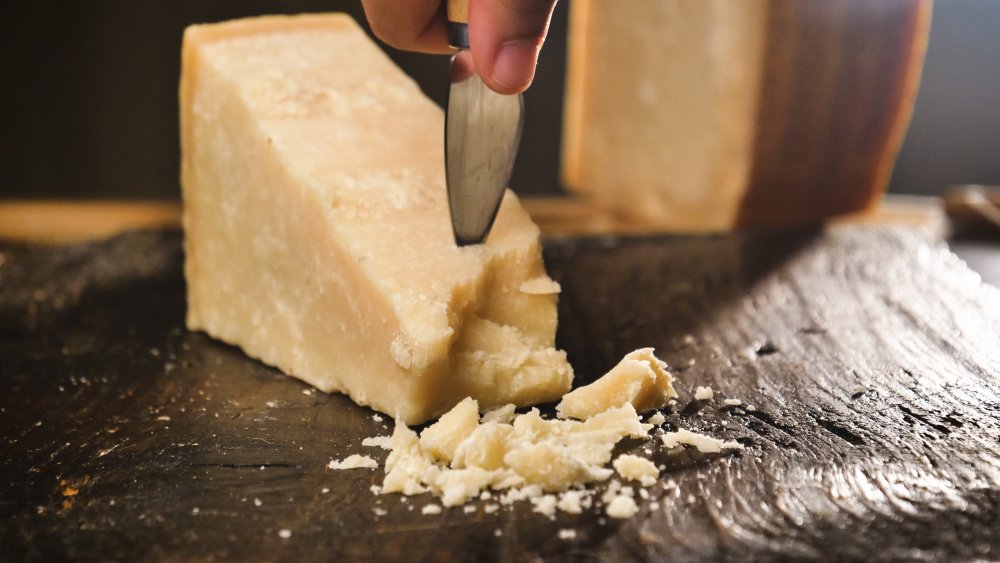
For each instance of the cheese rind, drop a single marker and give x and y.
(317, 232)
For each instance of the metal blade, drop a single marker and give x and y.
(482, 134)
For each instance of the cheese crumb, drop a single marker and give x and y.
(567, 534)
(441, 438)
(284, 533)
(637, 469)
(732, 402)
(376, 442)
(573, 502)
(640, 379)
(703, 443)
(548, 462)
(545, 504)
(354, 462)
(703, 393)
(622, 507)
(503, 415)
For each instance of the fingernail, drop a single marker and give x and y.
(514, 65)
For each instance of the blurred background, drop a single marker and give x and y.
(91, 94)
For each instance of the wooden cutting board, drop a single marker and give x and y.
(869, 355)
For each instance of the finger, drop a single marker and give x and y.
(505, 37)
(411, 25)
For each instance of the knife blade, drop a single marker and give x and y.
(482, 135)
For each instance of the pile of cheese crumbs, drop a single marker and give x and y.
(502, 457)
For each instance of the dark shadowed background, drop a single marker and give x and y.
(91, 96)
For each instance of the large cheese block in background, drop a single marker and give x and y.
(317, 235)
(703, 115)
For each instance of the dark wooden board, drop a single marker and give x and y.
(124, 436)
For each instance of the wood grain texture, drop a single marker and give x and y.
(127, 437)
(840, 79)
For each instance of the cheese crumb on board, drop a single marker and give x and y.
(701, 442)
(317, 236)
(354, 462)
(431, 509)
(640, 379)
(552, 463)
(441, 438)
(657, 419)
(703, 393)
(574, 502)
(622, 507)
(732, 402)
(636, 468)
(545, 504)
(567, 534)
(376, 442)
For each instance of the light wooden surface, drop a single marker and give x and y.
(75, 221)
(67, 221)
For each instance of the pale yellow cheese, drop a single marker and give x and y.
(701, 442)
(703, 393)
(705, 115)
(640, 379)
(354, 462)
(317, 234)
(636, 468)
(622, 507)
(549, 462)
(660, 106)
(528, 456)
(441, 438)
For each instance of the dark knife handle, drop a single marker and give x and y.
(458, 24)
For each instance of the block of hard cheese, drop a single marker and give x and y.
(703, 115)
(317, 235)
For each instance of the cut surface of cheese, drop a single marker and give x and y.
(660, 103)
(317, 234)
(703, 115)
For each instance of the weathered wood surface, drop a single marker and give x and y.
(127, 437)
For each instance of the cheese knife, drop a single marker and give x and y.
(482, 134)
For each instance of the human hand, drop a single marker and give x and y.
(505, 36)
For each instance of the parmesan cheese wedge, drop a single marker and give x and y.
(317, 234)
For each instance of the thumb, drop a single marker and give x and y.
(505, 37)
